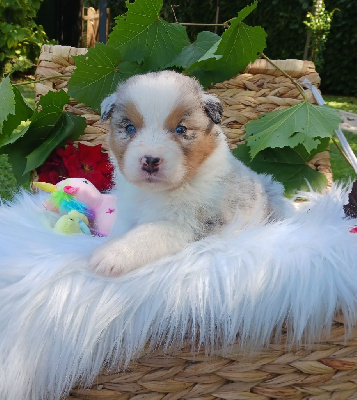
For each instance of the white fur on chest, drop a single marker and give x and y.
(203, 192)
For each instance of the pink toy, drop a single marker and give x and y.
(78, 192)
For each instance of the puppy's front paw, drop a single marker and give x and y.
(110, 259)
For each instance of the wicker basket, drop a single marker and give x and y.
(325, 370)
(259, 89)
(321, 371)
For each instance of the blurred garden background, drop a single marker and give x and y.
(322, 31)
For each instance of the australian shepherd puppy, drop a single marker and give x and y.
(177, 180)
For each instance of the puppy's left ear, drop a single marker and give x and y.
(213, 107)
(107, 107)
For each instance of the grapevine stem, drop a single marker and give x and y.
(198, 24)
(294, 81)
(41, 79)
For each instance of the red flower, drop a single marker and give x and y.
(83, 162)
(88, 162)
(53, 170)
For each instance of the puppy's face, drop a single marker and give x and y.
(163, 127)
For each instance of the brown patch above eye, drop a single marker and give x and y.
(134, 115)
(174, 118)
(119, 142)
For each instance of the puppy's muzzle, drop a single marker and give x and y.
(150, 164)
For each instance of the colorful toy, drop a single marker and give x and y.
(82, 196)
(73, 222)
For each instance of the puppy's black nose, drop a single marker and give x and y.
(150, 164)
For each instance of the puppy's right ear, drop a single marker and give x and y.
(107, 107)
(213, 107)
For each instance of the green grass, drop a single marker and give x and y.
(341, 170)
(344, 103)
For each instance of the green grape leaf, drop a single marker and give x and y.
(240, 43)
(17, 133)
(15, 122)
(51, 103)
(238, 47)
(68, 127)
(199, 48)
(287, 166)
(307, 156)
(98, 73)
(50, 126)
(303, 124)
(48, 112)
(142, 36)
(7, 100)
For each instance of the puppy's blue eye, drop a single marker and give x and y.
(180, 129)
(130, 129)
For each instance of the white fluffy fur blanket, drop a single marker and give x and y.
(59, 323)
